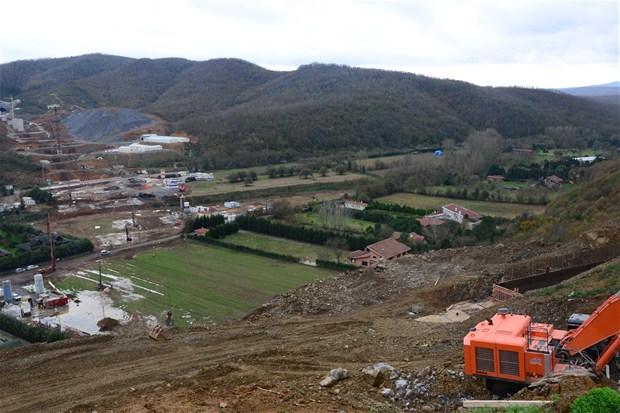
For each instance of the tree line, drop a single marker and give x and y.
(32, 334)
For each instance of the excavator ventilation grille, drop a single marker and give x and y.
(484, 360)
(509, 363)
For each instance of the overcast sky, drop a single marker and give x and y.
(497, 43)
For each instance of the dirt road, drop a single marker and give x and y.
(260, 366)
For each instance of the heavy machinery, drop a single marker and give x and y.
(157, 333)
(510, 351)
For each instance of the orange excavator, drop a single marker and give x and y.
(510, 351)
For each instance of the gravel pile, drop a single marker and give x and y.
(104, 125)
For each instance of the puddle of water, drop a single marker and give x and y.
(93, 306)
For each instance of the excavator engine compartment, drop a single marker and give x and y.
(511, 348)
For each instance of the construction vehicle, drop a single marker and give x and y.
(510, 351)
(52, 266)
(157, 333)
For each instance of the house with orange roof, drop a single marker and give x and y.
(381, 251)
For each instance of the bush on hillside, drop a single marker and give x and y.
(599, 400)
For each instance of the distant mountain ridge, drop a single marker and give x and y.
(246, 114)
(606, 89)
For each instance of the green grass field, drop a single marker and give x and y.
(350, 224)
(280, 246)
(201, 283)
(496, 209)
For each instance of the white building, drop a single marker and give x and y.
(586, 159)
(232, 204)
(458, 213)
(154, 138)
(357, 205)
(202, 176)
(28, 201)
(136, 147)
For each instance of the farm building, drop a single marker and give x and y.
(136, 147)
(457, 213)
(154, 138)
(28, 201)
(357, 205)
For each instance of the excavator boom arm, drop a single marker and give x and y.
(602, 324)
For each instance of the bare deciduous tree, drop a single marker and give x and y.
(333, 215)
(337, 245)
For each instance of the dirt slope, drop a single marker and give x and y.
(275, 359)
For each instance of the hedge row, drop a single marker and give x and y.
(385, 206)
(335, 265)
(220, 231)
(242, 248)
(32, 334)
(301, 233)
(208, 221)
(268, 254)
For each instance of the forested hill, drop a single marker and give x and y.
(241, 108)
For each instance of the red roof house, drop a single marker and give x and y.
(385, 250)
(457, 213)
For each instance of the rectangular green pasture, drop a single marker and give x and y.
(280, 246)
(202, 283)
(498, 209)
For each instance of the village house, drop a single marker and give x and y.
(381, 251)
(201, 231)
(411, 237)
(28, 201)
(357, 205)
(415, 238)
(457, 213)
(553, 182)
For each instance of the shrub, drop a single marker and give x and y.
(599, 400)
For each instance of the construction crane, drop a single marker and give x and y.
(510, 351)
(54, 128)
(52, 266)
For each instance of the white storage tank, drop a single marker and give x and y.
(39, 288)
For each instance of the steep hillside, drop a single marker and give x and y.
(246, 114)
(34, 80)
(135, 84)
(592, 202)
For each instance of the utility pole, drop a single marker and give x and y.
(100, 287)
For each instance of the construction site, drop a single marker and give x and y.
(372, 322)
(387, 338)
